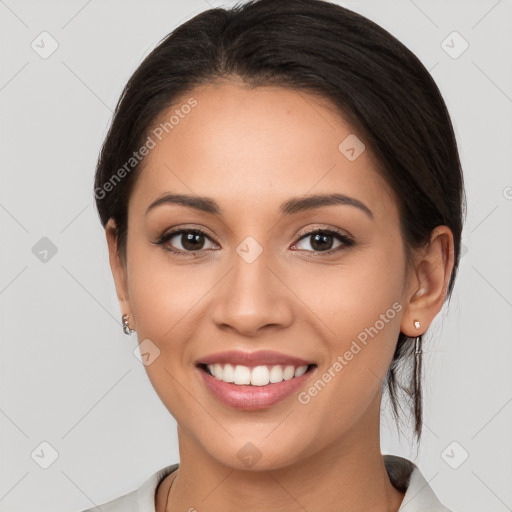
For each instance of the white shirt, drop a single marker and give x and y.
(404, 475)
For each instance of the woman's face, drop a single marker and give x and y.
(256, 281)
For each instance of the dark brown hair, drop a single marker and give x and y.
(379, 86)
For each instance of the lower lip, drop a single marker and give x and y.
(249, 397)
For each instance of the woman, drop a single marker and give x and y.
(283, 203)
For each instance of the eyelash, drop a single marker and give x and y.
(347, 241)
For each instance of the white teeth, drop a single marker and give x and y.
(301, 370)
(217, 369)
(242, 375)
(289, 372)
(260, 376)
(257, 376)
(276, 374)
(228, 374)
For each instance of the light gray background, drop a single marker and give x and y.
(68, 374)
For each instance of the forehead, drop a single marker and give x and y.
(249, 148)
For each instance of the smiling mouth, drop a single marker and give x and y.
(262, 375)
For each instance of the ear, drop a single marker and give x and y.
(118, 267)
(428, 282)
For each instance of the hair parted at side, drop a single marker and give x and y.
(378, 85)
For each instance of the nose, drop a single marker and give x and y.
(253, 296)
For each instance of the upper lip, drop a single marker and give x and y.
(250, 359)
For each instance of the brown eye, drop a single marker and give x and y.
(191, 241)
(322, 240)
(184, 241)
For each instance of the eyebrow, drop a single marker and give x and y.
(293, 205)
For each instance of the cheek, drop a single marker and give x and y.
(162, 288)
(359, 306)
(160, 299)
(353, 296)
